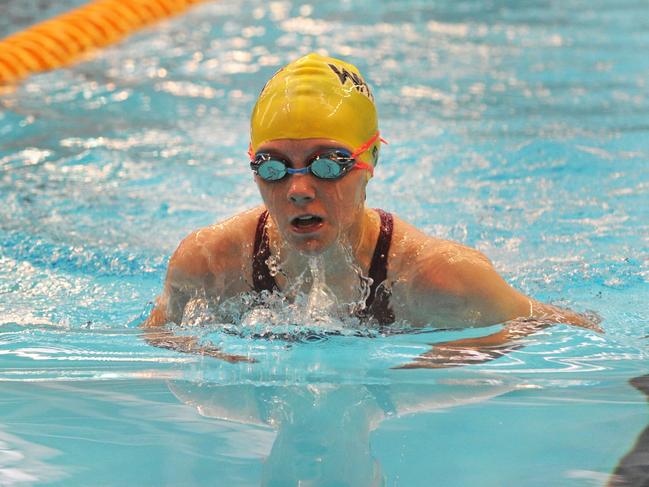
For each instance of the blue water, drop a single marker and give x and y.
(518, 128)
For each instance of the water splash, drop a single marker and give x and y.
(321, 298)
(307, 309)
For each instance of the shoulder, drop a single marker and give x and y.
(446, 281)
(435, 263)
(210, 260)
(216, 249)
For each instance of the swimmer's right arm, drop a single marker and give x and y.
(167, 311)
(182, 278)
(183, 274)
(168, 307)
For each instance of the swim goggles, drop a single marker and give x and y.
(332, 164)
(329, 164)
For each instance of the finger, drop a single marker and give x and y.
(226, 356)
(421, 364)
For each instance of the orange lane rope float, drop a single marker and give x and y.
(58, 41)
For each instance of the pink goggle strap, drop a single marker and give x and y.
(368, 144)
(364, 165)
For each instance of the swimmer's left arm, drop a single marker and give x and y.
(481, 297)
(459, 287)
(471, 351)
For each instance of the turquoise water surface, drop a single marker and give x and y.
(518, 128)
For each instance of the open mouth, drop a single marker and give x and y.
(306, 223)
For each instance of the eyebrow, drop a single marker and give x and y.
(318, 149)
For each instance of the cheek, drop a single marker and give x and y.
(356, 191)
(271, 194)
(347, 199)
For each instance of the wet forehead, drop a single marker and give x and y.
(300, 149)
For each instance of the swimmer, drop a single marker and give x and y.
(314, 147)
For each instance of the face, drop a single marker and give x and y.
(312, 214)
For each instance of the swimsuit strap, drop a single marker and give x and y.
(261, 278)
(377, 303)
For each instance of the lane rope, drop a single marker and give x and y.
(58, 41)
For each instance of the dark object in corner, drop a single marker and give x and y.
(633, 469)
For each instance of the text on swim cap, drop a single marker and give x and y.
(358, 82)
(375, 155)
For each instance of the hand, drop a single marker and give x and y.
(190, 344)
(547, 313)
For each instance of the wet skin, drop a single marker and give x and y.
(433, 281)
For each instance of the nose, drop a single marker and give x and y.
(300, 189)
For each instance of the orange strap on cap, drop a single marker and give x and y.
(58, 41)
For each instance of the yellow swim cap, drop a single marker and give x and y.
(317, 97)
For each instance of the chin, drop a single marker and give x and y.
(312, 246)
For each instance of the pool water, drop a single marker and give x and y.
(518, 128)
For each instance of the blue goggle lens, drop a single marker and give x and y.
(271, 169)
(326, 168)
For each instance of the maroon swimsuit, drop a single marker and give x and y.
(377, 304)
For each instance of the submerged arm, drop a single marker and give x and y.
(165, 338)
(468, 351)
(169, 309)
